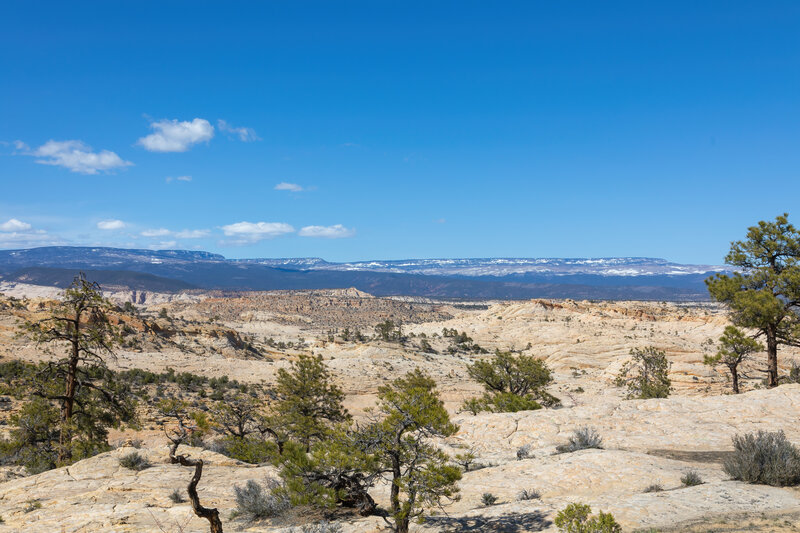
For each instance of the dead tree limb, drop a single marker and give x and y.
(177, 438)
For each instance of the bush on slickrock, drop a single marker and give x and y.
(488, 499)
(582, 439)
(575, 518)
(523, 452)
(255, 501)
(528, 494)
(319, 527)
(765, 458)
(134, 461)
(655, 487)
(691, 479)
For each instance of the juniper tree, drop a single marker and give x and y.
(308, 403)
(88, 397)
(763, 294)
(241, 418)
(734, 348)
(388, 330)
(511, 383)
(339, 470)
(421, 475)
(646, 374)
(394, 444)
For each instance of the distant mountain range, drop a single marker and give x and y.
(490, 278)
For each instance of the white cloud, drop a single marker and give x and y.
(244, 134)
(192, 234)
(14, 225)
(174, 136)
(293, 187)
(28, 239)
(250, 232)
(179, 178)
(155, 232)
(110, 224)
(19, 145)
(336, 231)
(17, 234)
(76, 156)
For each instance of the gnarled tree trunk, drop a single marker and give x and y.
(212, 515)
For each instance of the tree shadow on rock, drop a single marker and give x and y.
(506, 523)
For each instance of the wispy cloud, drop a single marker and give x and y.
(292, 187)
(192, 234)
(160, 232)
(175, 136)
(244, 134)
(185, 234)
(15, 233)
(21, 146)
(179, 178)
(251, 232)
(14, 225)
(110, 225)
(75, 156)
(336, 231)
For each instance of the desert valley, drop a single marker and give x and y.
(357, 266)
(248, 337)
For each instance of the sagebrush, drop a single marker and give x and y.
(766, 458)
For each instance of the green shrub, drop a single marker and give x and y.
(33, 441)
(31, 505)
(575, 518)
(252, 449)
(691, 478)
(512, 384)
(528, 494)
(646, 374)
(255, 501)
(764, 458)
(176, 496)
(581, 439)
(523, 452)
(488, 499)
(134, 461)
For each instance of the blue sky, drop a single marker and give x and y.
(399, 129)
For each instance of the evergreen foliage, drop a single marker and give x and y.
(734, 348)
(763, 294)
(512, 384)
(76, 383)
(646, 374)
(575, 518)
(308, 403)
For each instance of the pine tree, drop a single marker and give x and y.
(764, 293)
(80, 383)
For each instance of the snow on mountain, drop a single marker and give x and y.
(500, 267)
